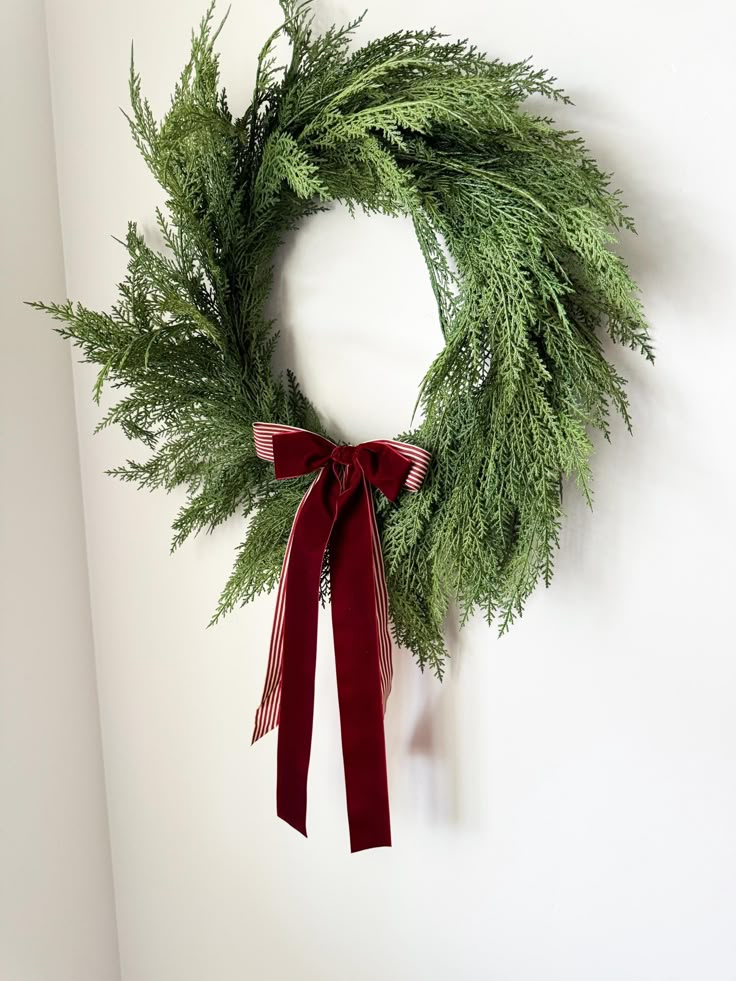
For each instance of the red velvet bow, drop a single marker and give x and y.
(336, 512)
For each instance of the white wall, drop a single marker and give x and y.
(57, 917)
(564, 804)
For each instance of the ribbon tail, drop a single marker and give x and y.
(301, 606)
(288, 697)
(268, 712)
(385, 648)
(359, 651)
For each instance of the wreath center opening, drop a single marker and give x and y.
(357, 320)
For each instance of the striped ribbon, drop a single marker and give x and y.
(336, 513)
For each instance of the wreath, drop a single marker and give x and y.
(515, 221)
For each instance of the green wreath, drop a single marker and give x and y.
(515, 222)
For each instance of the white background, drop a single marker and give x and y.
(57, 918)
(564, 804)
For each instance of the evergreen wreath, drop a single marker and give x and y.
(515, 221)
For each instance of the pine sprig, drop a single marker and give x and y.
(516, 223)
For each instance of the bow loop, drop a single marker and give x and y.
(298, 452)
(384, 467)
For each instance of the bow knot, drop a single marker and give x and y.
(336, 513)
(344, 454)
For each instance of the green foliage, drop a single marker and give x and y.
(408, 125)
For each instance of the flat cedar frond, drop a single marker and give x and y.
(410, 124)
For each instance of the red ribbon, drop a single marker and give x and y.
(336, 512)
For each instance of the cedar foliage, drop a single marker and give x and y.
(408, 125)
